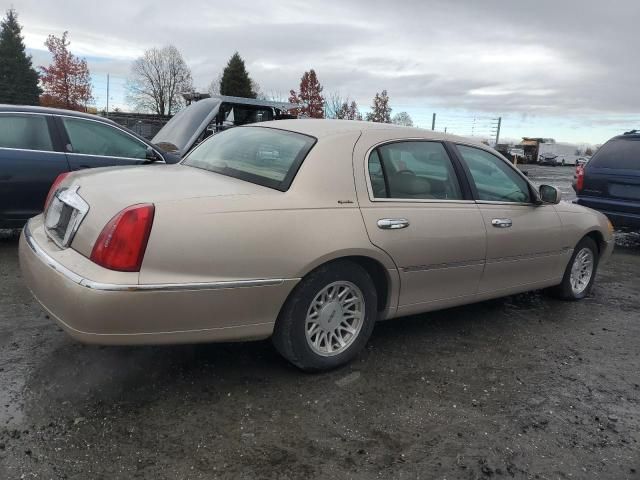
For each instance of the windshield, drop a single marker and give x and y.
(265, 156)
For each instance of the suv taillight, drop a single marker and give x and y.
(54, 186)
(123, 241)
(579, 178)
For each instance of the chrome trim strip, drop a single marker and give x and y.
(150, 287)
(420, 200)
(531, 256)
(439, 266)
(31, 150)
(471, 263)
(367, 176)
(106, 156)
(506, 204)
(61, 115)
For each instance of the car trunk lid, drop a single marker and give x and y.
(105, 192)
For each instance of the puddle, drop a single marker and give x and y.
(627, 239)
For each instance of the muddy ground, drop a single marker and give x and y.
(522, 387)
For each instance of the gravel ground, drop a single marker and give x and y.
(521, 387)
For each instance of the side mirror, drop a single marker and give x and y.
(549, 194)
(152, 155)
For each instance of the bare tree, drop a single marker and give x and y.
(157, 81)
(402, 118)
(255, 87)
(214, 86)
(276, 96)
(335, 106)
(332, 105)
(349, 111)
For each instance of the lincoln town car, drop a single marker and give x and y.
(306, 231)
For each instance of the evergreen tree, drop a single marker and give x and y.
(18, 79)
(235, 79)
(380, 110)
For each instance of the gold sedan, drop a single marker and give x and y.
(306, 231)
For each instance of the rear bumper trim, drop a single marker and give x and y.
(93, 285)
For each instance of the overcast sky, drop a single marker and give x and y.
(564, 69)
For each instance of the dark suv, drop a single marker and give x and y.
(37, 144)
(610, 181)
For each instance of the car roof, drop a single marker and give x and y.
(320, 128)
(4, 108)
(52, 111)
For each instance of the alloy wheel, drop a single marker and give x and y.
(334, 318)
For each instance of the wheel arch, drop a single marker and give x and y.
(597, 237)
(385, 277)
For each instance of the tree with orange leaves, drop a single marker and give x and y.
(66, 83)
(309, 99)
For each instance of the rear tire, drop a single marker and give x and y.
(328, 318)
(580, 272)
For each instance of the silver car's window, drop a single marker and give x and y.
(29, 132)
(266, 156)
(494, 180)
(413, 170)
(95, 138)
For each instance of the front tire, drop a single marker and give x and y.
(328, 318)
(580, 272)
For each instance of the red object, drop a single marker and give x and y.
(123, 241)
(66, 83)
(54, 186)
(309, 100)
(579, 177)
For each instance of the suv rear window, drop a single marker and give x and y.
(621, 153)
(265, 156)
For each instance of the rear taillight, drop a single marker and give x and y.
(123, 241)
(579, 178)
(54, 186)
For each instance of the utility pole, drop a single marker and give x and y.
(498, 130)
(107, 95)
(433, 121)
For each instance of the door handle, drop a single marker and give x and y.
(501, 222)
(393, 223)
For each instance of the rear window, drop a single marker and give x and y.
(265, 156)
(621, 153)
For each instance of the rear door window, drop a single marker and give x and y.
(26, 132)
(621, 153)
(413, 170)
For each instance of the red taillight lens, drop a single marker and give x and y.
(54, 186)
(123, 241)
(579, 178)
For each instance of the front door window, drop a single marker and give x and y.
(495, 181)
(94, 138)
